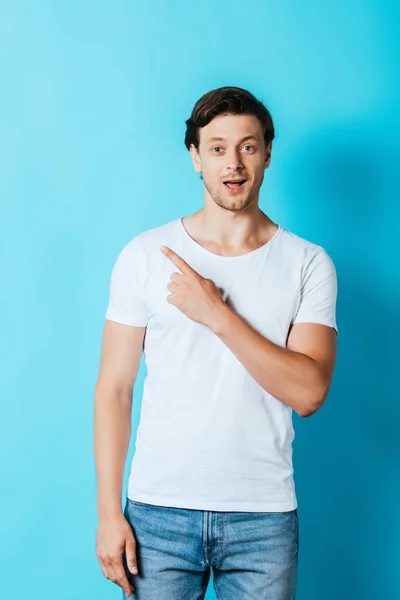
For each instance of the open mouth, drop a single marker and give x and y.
(234, 184)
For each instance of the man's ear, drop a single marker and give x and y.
(195, 158)
(268, 152)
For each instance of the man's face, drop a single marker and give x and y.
(232, 157)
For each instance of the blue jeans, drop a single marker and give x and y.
(254, 555)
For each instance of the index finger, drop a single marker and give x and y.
(178, 261)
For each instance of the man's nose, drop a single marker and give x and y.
(234, 160)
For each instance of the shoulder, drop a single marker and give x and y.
(303, 252)
(141, 254)
(149, 241)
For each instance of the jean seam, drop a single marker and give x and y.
(216, 592)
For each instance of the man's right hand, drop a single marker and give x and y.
(114, 537)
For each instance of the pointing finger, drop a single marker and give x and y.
(178, 261)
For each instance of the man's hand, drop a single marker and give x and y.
(114, 537)
(197, 297)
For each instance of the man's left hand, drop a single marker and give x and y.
(197, 297)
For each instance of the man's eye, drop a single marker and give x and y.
(219, 148)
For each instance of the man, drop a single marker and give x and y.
(237, 321)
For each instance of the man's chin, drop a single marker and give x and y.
(233, 205)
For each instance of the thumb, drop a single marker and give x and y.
(130, 552)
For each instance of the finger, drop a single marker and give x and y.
(109, 573)
(108, 568)
(120, 577)
(176, 277)
(130, 553)
(122, 580)
(178, 261)
(173, 287)
(103, 568)
(171, 300)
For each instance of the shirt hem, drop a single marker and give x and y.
(194, 504)
(317, 321)
(117, 318)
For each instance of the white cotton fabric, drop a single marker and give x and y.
(209, 436)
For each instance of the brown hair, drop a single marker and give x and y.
(223, 101)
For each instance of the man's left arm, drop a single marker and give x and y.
(298, 375)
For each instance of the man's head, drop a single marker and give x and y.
(230, 114)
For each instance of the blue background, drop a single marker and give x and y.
(94, 96)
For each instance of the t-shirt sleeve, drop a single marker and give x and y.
(126, 298)
(318, 292)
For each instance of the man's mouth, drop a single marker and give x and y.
(234, 184)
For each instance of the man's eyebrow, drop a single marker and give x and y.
(216, 138)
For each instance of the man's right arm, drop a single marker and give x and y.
(119, 363)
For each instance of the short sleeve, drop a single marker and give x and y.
(318, 292)
(126, 300)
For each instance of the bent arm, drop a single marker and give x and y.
(298, 375)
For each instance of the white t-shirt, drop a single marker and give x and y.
(210, 437)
